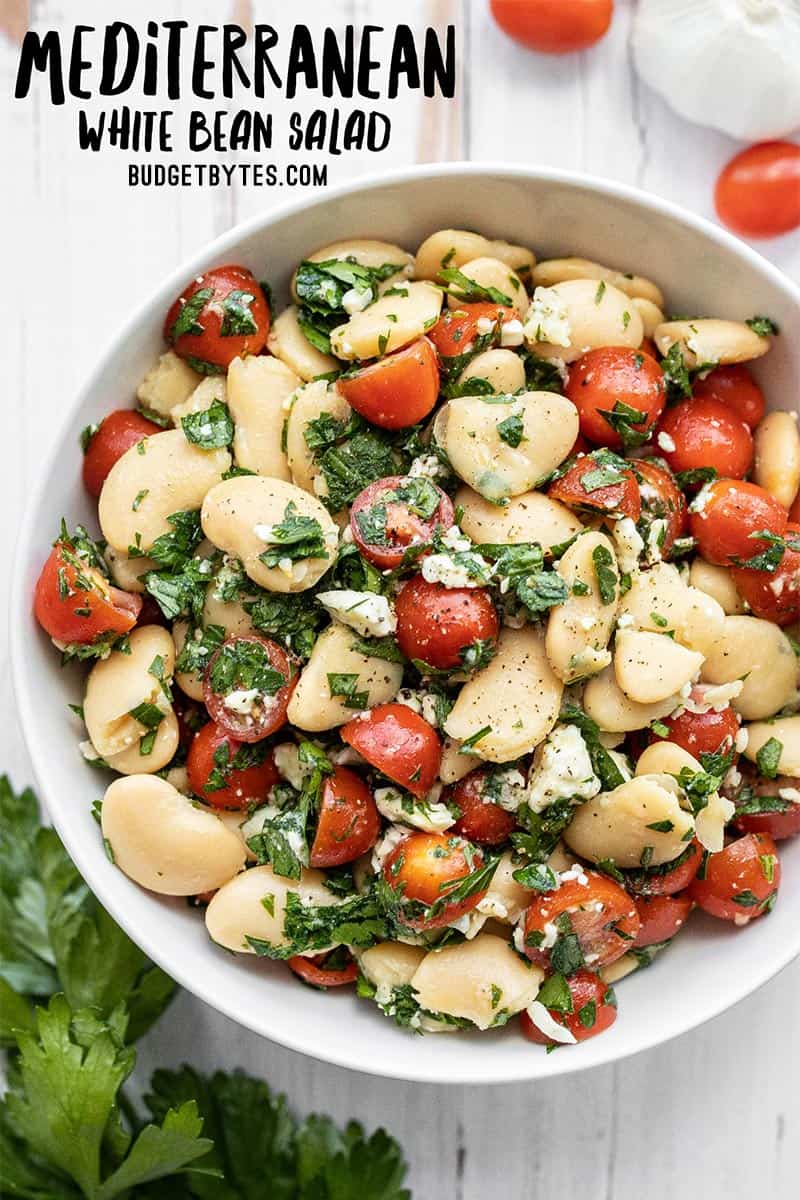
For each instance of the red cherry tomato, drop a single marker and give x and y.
(583, 487)
(581, 446)
(661, 917)
(424, 868)
(705, 432)
(739, 883)
(349, 822)
(323, 970)
(398, 390)
(396, 513)
(74, 603)
(704, 732)
(734, 386)
(775, 595)
(554, 26)
(758, 191)
(728, 515)
(762, 808)
(662, 499)
(666, 880)
(613, 379)
(648, 346)
(117, 433)
(227, 773)
(794, 511)
(601, 914)
(247, 687)
(457, 329)
(399, 743)
(593, 1010)
(221, 315)
(440, 625)
(481, 819)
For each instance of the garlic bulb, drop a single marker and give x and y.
(731, 64)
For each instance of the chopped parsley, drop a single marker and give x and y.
(295, 537)
(210, 429)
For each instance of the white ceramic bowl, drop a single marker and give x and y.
(701, 269)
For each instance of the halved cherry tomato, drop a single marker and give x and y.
(734, 386)
(247, 686)
(481, 820)
(554, 26)
(599, 913)
(116, 433)
(349, 822)
(727, 516)
(221, 315)
(583, 487)
(441, 625)
(424, 868)
(323, 970)
(226, 773)
(398, 390)
(794, 511)
(457, 329)
(581, 446)
(699, 733)
(661, 917)
(766, 805)
(399, 743)
(593, 1010)
(74, 603)
(704, 432)
(739, 883)
(662, 499)
(758, 191)
(396, 513)
(666, 880)
(775, 595)
(621, 382)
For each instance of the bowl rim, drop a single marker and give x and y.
(477, 1070)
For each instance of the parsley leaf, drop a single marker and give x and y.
(768, 758)
(237, 318)
(510, 430)
(294, 620)
(763, 326)
(623, 420)
(607, 579)
(210, 429)
(295, 537)
(186, 320)
(676, 374)
(468, 291)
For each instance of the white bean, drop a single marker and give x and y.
(578, 631)
(491, 273)
(455, 247)
(190, 682)
(253, 904)
(558, 270)
(162, 841)
(258, 388)
(121, 682)
(166, 385)
(312, 706)
(390, 964)
(288, 343)
(454, 764)
(667, 758)
(718, 583)
(159, 476)
(650, 667)
(618, 824)
(585, 315)
(502, 369)
(162, 751)
(777, 465)
(785, 730)
(708, 341)
(127, 572)
(515, 699)
(533, 517)
(761, 654)
(479, 980)
(651, 314)
(238, 514)
(212, 389)
(389, 324)
(367, 252)
(607, 704)
(309, 404)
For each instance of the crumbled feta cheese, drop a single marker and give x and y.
(667, 443)
(714, 698)
(369, 614)
(89, 752)
(442, 568)
(356, 300)
(508, 789)
(656, 535)
(563, 771)
(289, 766)
(791, 794)
(575, 874)
(391, 839)
(589, 661)
(588, 623)
(742, 738)
(518, 939)
(629, 545)
(511, 334)
(547, 319)
(420, 702)
(625, 621)
(484, 325)
(264, 533)
(700, 501)
(547, 1024)
(257, 820)
(242, 701)
(403, 808)
(427, 466)
(622, 764)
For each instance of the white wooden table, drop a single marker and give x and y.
(715, 1114)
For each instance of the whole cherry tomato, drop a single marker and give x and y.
(227, 773)
(593, 485)
(394, 514)
(332, 969)
(662, 499)
(554, 26)
(622, 383)
(727, 517)
(442, 625)
(592, 1010)
(423, 870)
(221, 315)
(733, 385)
(74, 603)
(115, 434)
(758, 191)
(775, 595)
(668, 879)
(598, 912)
(349, 822)
(399, 743)
(661, 917)
(482, 820)
(741, 882)
(457, 330)
(247, 686)
(711, 732)
(704, 432)
(397, 391)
